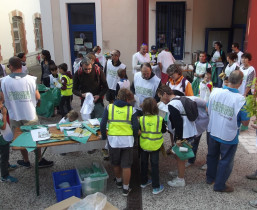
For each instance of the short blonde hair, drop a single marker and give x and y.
(72, 115)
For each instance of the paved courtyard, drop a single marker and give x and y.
(196, 195)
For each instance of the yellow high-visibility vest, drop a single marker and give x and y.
(151, 138)
(119, 119)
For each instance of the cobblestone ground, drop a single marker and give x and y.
(196, 195)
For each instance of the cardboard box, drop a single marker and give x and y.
(65, 204)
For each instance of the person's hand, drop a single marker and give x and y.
(254, 126)
(4, 110)
(96, 97)
(179, 143)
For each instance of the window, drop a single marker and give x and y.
(18, 34)
(38, 33)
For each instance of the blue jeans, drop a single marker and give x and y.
(220, 161)
(154, 159)
(195, 145)
(219, 81)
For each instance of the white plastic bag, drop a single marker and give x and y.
(95, 201)
(88, 107)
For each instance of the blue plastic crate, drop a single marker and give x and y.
(70, 176)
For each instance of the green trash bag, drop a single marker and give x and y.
(41, 88)
(183, 155)
(46, 108)
(214, 77)
(56, 92)
(195, 86)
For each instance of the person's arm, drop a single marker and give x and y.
(4, 113)
(135, 125)
(249, 82)
(163, 127)
(156, 97)
(176, 121)
(208, 70)
(104, 123)
(76, 85)
(135, 63)
(117, 89)
(64, 83)
(37, 95)
(243, 117)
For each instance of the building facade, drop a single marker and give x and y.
(185, 26)
(21, 30)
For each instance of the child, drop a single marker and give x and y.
(66, 89)
(201, 68)
(205, 87)
(124, 82)
(152, 126)
(122, 130)
(55, 78)
(70, 117)
(5, 137)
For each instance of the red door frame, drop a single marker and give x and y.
(142, 22)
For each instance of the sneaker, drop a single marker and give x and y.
(43, 163)
(12, 167)
(204, 167)
(126, 192)
(146, 184)
(188, 164)
(177, 182)
(118, 184)
(252, 176)
(253, 203)
(228, 189)
(158, 190)
(173, 173)
(23, 163)
(9, 179)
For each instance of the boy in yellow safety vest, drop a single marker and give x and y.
(66, 89)
(123, 129)
(151, 126)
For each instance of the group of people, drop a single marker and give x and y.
(132, 112)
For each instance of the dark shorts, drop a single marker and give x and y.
(122, 157)
(110, 95)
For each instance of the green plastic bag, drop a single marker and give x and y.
(214, 78)
(195, 86)
(183, 155)
(41, 88)
(46, 108)
(56, 94)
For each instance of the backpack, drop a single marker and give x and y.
(190, 107)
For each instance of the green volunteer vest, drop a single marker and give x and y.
(119, 119)
(68, 91)
(151, 138)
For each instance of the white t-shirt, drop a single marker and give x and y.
(20, 97)
(24, 69)
(166, 59)
(215, 57)
(231, 68)
(138, 59)
(239, 55)
(124, 84)
(189, 127)
(145, 88)
(111, 74)
(246, 72)
(102, 59)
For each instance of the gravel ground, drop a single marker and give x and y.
(196, 194)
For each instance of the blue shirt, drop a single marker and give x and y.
(241, 116)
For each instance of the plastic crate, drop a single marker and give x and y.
(70, 176)
(95, 183)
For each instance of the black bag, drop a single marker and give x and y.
(190, 107)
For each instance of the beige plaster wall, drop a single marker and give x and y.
(119, 28)
(28, 9)
(209, 14)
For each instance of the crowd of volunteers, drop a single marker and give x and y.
(210, 103)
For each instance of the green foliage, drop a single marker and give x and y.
(251, 101)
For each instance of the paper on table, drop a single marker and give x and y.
(40, 134)
(94, 121)
(51, 125)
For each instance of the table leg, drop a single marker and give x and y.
(43, 152)
(36, 171)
